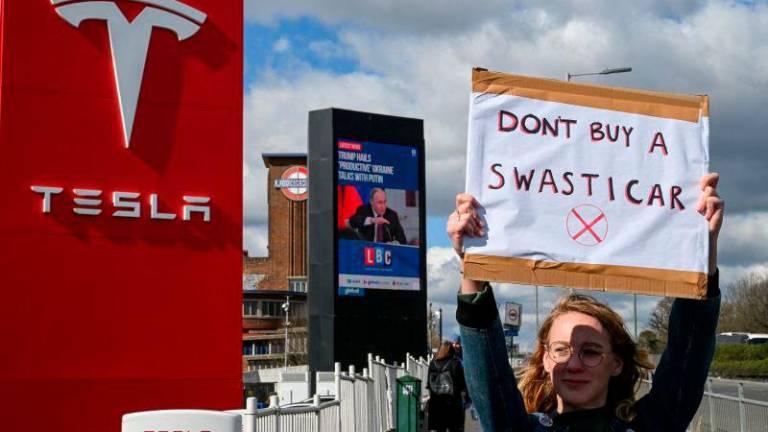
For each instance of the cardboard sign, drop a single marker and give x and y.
(121, 139)
(586, 186)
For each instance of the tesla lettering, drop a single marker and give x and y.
(126, 204)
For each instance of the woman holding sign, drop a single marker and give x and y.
(585, 367)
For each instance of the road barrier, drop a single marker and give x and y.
(724, 413)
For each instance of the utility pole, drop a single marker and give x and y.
(537, 309)
(429, 327)
(634, 297)
(609, 71)
(286, 309)
(440, 324)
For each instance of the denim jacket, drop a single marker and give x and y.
(678, 383)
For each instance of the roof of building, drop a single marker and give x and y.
(266, 157)
(264, 293)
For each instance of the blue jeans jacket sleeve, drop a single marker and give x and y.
(490, 381)
(678, 383)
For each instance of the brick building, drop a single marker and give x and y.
(280, 277)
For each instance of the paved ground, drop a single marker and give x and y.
(752, 390)
(471, 425)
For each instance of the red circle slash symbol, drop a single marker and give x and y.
(587, 225)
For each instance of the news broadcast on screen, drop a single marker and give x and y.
(378, 217)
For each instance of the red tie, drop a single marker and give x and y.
(379, 238)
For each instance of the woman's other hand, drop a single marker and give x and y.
(711, 206)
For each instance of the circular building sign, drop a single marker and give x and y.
(293, 183)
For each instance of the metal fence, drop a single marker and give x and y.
(385, 385)
(418, 368)
(366, 403)
(724, 413)
(314, 417)
(362, 402)
(355, 392)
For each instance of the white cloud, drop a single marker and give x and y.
(400, 15)
(732, 274)
(442, 274)
(415, 60)
(281, 45)
(255, 240)
(326, 49)
(744, 239)
(719, 48)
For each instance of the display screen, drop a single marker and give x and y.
(377, 217)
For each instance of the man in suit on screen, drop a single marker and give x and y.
(375, 222)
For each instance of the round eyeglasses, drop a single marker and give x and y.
(560, 353)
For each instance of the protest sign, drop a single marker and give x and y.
(587, 186)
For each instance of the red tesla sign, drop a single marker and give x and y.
(120, 162)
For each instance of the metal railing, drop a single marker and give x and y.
(719, 412)
(385, 385)
(366, 403)
(315, 417)
(418, 368)
(724, 413)
(362, 402)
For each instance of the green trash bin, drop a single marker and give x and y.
(408, 404)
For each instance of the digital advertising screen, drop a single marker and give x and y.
(378, 230)
(367, 260)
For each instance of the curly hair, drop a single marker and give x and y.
(538, 393)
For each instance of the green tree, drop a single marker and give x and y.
(649, 341)
(745, 305)
(659, 321)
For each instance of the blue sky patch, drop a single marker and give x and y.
(292, 45)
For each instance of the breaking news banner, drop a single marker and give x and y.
(587, 186)
(378, 217)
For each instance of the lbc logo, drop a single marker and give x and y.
(377, 256)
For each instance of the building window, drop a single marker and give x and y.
(271, 308)
(250, 308)
(278, 347)
(297, 284)
(297, 311)
(255, 348)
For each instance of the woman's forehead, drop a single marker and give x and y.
(577, 328)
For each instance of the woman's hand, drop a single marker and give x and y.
(712, 207)
(465, 221)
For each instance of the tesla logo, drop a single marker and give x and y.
(129, 41)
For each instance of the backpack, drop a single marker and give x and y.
(441, 383)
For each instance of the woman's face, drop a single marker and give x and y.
(579, 385)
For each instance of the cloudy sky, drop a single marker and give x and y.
(414, 59)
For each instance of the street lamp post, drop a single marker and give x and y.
(440, 324)
(430, 326)
(286, 308)
(609, 71)
(602, 72)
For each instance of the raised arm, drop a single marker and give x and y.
(490, 381)
(678, 384)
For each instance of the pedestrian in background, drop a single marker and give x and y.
(446, 387)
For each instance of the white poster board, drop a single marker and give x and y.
(587, 186)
